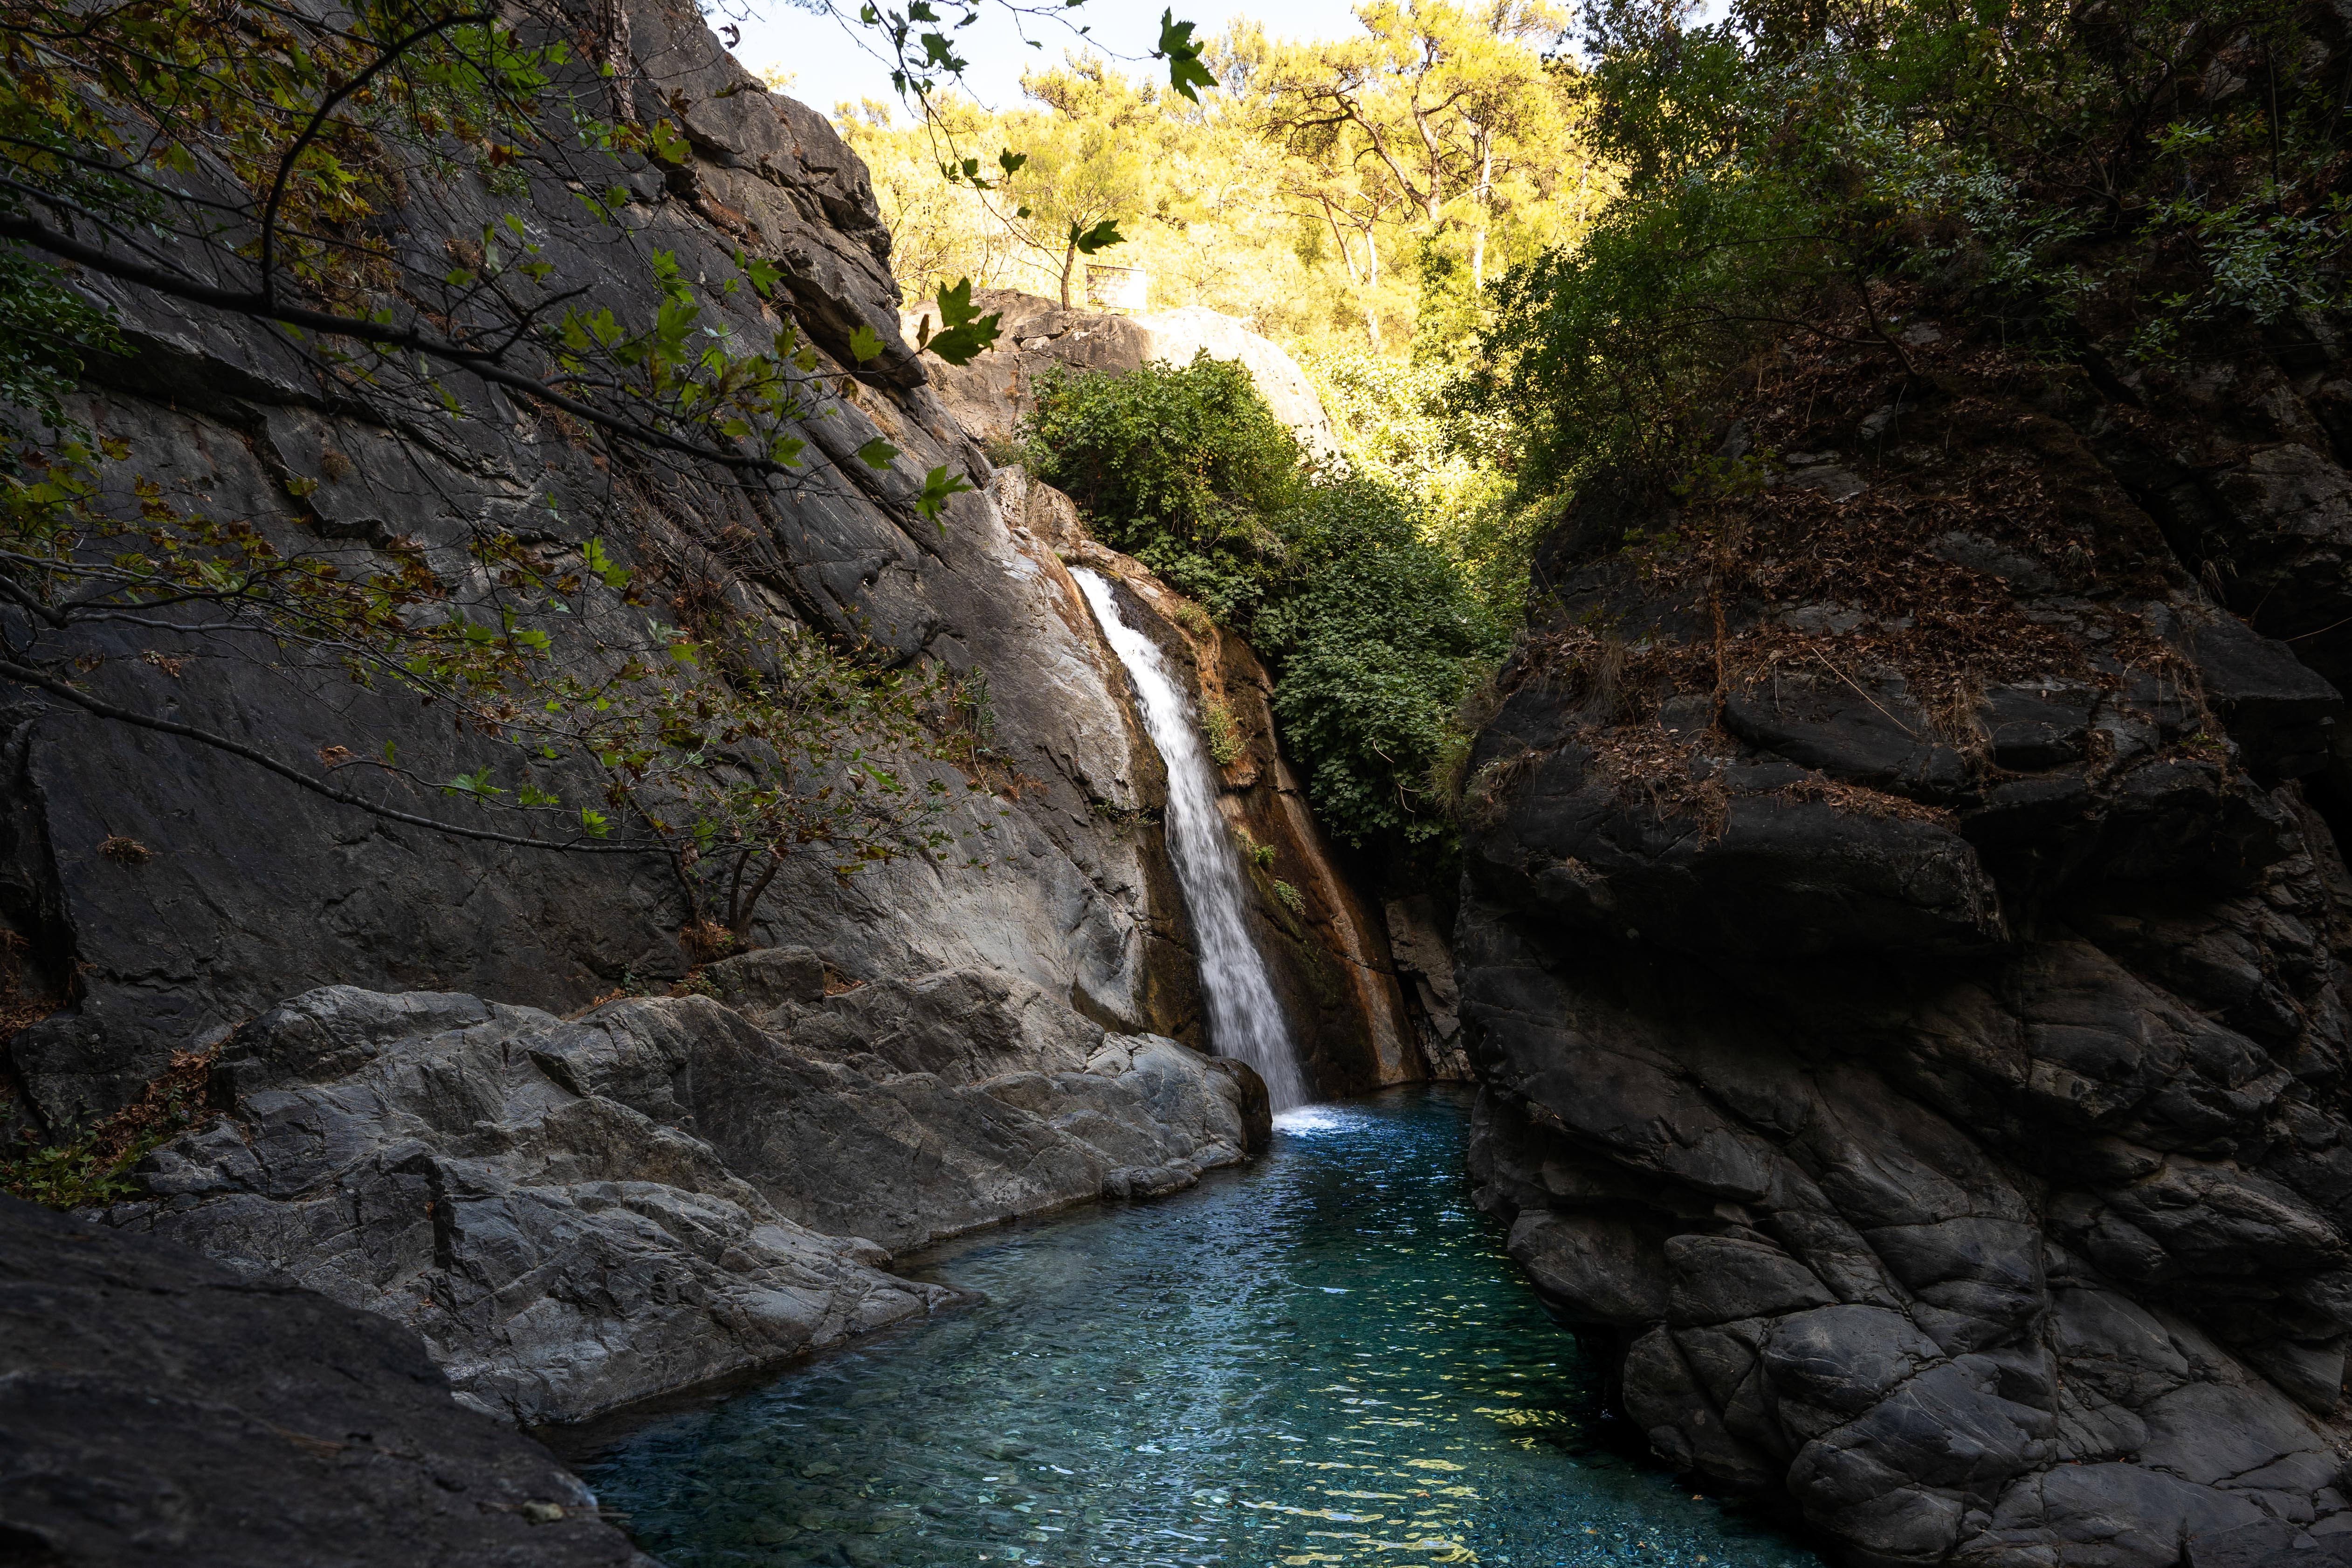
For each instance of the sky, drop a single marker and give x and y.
(829, 65)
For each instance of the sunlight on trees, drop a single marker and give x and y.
(1354, 193)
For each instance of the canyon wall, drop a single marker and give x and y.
(1903, 942)
(228, 891)
(487, 1092)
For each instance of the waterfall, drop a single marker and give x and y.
(1244, 1018)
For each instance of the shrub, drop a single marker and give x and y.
(1372, 631)
(94, 1168)
(2090, 180)
(1376, 637)
(1218, 729)
(1189, 453)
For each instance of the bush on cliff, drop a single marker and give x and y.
(1373, 632)
(2099, 184)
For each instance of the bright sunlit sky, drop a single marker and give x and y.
(830, 67)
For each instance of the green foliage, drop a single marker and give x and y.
(2077, 179)
(1395, 424)
(1186, 73)
(963, 333)
(94, 1168)
(1373, 630)
(68, 1175)
(1376, 635)
(1218, 729)
(1182, 467)
(46, 331)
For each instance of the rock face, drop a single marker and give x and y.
(157, 1407)
(578, 1215)
(253, 890)
(1917, 1064)
(991, 396)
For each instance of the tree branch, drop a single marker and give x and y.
(29, 676)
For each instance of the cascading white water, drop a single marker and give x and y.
(1244, 1018)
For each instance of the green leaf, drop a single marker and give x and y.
(1102, 236)
(1011, 162)
(963, 334)
(669, 145)
(877, 454)
(599, 560)
(938, 485)
(475, 784)
(1185, 72)
(864, 343)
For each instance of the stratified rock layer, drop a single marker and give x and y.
(157, 1408)
(577, 1215)
(1926, 1090)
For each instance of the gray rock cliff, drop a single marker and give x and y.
(156, 1408)
(445, 1086)
(253, 891)
(1905, 963)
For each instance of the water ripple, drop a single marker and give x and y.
(1326, 1359)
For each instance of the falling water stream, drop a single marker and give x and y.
(1244, 1017)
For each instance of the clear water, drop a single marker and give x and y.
(1324, 1359)
(1245, 1019)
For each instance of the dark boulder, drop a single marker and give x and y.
(1910, 1008)
(157, 1408)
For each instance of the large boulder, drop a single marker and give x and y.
(156, 1408)
(992, 394)
(1903, 939)
(581, 1214)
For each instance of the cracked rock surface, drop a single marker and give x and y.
(578, 1215)
(156, 1408)
(1903, 942)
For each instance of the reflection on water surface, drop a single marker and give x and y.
(1326, 1359)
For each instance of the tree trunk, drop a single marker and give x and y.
(1069, 264)
(1485, 197)
(1433, 199)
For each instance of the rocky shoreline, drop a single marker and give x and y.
(580, 1215)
